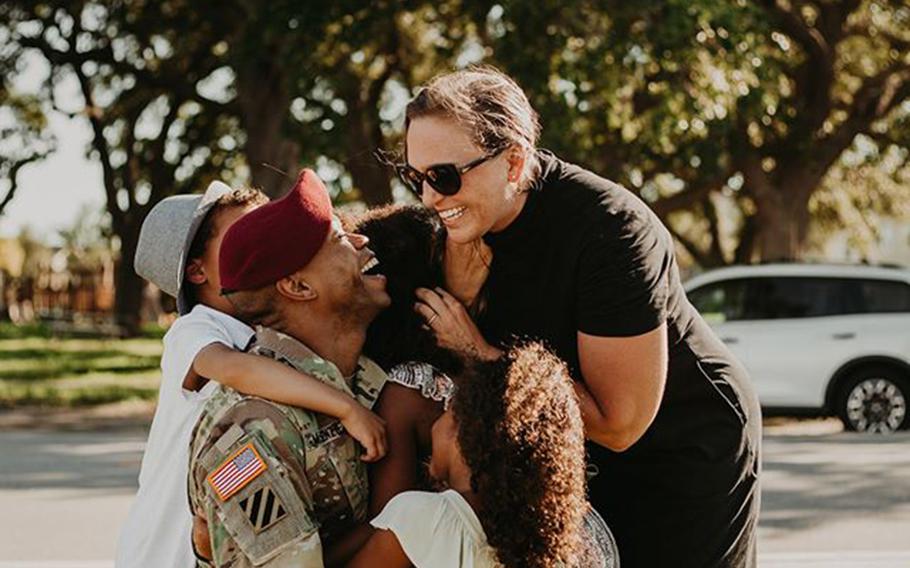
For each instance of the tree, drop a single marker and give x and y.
(686, 101)
(153, 133)
(730, 118)
(319, 82)
(24, 139)
(178, 93)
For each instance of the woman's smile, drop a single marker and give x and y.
(451, 214)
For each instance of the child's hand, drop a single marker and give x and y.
(368, 429)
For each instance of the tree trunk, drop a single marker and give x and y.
(745, 248)
(127, 284)
(364, 136)
(4, 308)
(262, 93)
(783, 224)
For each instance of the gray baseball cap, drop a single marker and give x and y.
(166, 236)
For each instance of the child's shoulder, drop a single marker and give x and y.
(202, 315)
(416, 503)
(203, 320)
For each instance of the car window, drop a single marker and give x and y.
(806, 297)
(877, 296)
(720, 301)
(785, 297)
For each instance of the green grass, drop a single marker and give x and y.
(37, 369)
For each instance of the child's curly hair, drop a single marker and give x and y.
(520, 431)
(409, 243)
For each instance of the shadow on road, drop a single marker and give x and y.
(812, 480)
(45, 459)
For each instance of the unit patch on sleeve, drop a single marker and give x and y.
(263, 509)
(242, 467)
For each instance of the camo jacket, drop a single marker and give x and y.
(274, 481)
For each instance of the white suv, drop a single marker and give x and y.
(829, 338)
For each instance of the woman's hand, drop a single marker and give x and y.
(453, 327)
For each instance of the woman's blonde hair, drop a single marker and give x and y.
(490, 105)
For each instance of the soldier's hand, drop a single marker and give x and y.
(368, 429)
(202, 543)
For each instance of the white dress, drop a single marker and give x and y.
(437, 530)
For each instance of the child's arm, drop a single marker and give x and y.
(246, 373)
(409, 419)
(383, 549)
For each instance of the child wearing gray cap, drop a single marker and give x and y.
(178, 252)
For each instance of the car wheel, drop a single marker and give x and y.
(874, 399)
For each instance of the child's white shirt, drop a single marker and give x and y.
(437, 530)
(158, 530)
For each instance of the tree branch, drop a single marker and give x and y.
(686, 198)
(697, 254)
(375, 89)
(815, 76)
(874, 100)
(14, 177)
(833, 18)
(99, 142)
(715, 251)
(863, 29)
(747, 234)
(162, 176)
(811, 40)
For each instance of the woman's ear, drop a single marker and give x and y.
(516, 159)
(195, 272)
(295, 288)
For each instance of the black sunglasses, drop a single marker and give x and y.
(444, 178)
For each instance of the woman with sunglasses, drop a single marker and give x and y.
(540, 248)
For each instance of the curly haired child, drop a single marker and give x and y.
(510, 455)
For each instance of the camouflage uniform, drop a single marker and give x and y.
(274, 481)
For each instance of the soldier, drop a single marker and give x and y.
(274, 482)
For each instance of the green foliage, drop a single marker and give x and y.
(710, 109)
(686, 102)
(12, 331)
(38, 370)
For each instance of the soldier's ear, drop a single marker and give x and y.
(295, 288)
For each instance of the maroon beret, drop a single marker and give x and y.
(277, 239)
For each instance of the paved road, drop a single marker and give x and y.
(835, 499)
(65, 494)
(831, 499)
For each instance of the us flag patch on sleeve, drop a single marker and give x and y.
(236, 472)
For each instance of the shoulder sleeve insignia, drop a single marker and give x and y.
(242, 467)
(263, 509)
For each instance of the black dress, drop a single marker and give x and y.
(587, 255)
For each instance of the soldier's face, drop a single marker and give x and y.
(345, 275)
